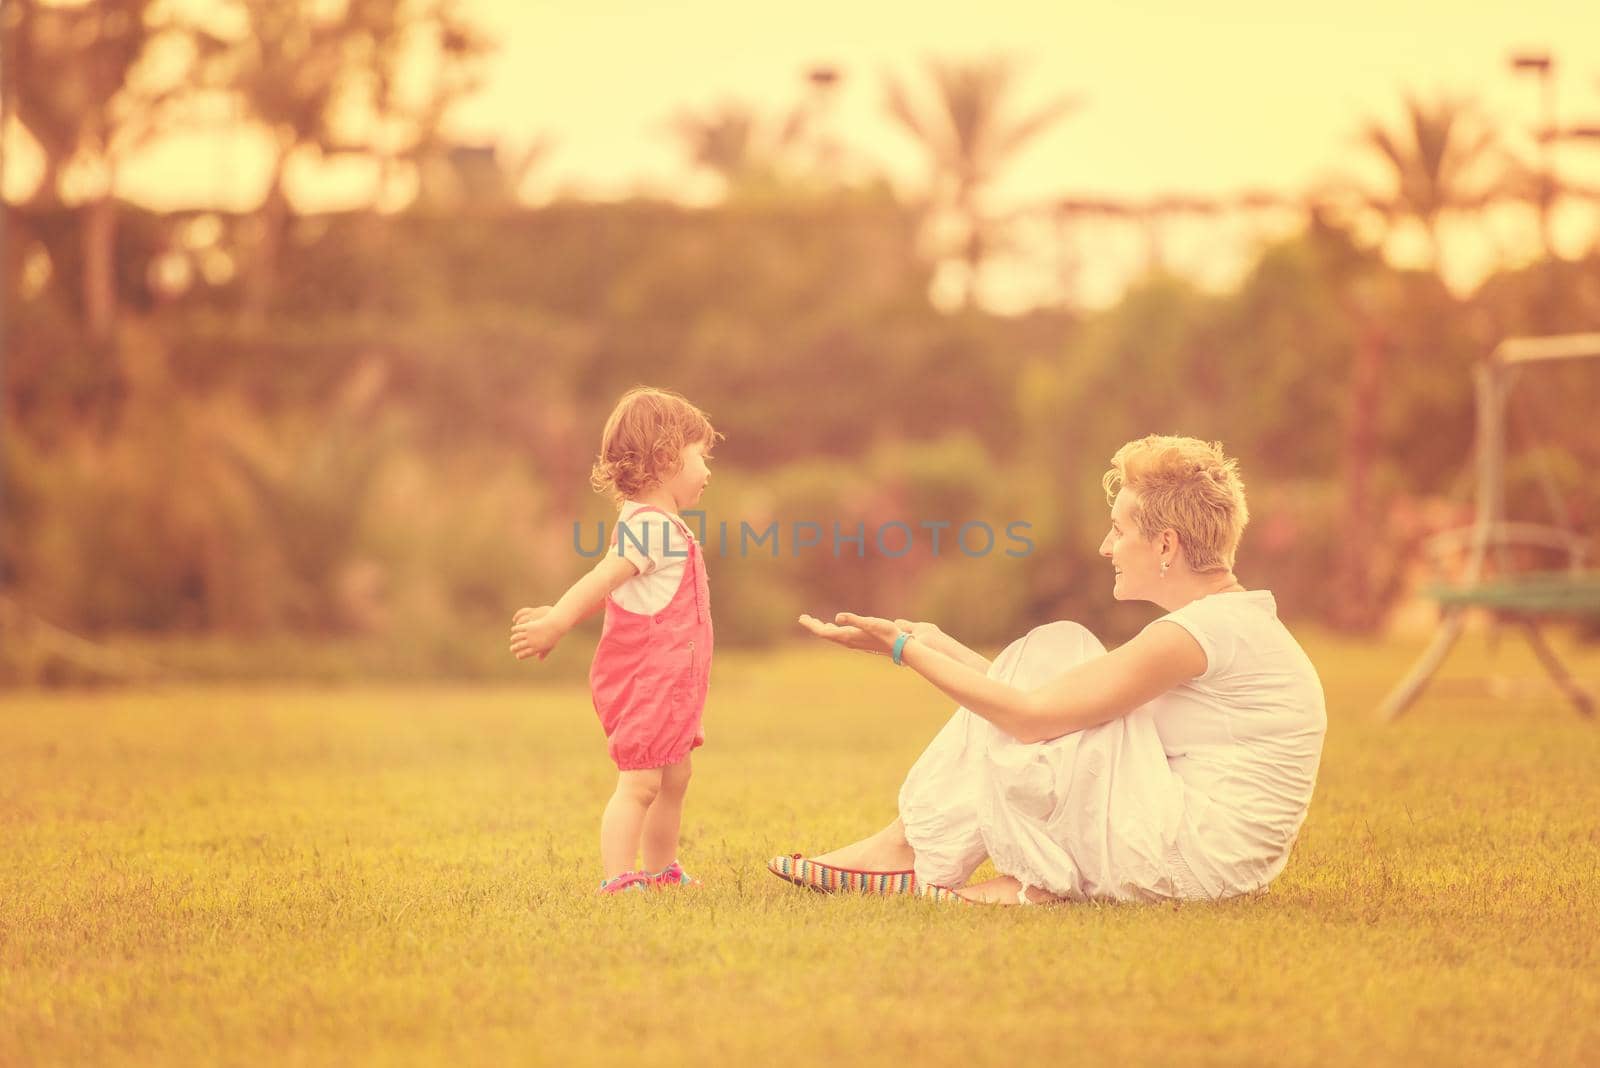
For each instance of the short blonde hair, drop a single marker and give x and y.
(1186, 485)
(643, 438)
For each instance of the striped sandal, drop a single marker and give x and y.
(827, 879)
(942, 895)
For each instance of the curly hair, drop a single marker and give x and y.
(1188, 486)
(643, 438)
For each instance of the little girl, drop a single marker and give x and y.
(653, 665)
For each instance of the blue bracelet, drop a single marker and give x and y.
(899, 647)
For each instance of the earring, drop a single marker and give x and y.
(1164, 565)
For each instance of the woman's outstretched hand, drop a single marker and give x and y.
(927, 633)
(867, 633)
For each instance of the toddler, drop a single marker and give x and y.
(652, 667)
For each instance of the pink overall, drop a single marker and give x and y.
(651, 672)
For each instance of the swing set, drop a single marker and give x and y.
(1493, 578)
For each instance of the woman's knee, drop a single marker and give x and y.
(1069, 635)
(1049, 649)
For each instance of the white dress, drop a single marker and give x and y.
(1196, 795)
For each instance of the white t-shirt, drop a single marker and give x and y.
(658, 547)
(1244, 736)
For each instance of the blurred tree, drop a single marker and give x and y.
(33, 37)
(328, 79)
(1356, 285)
(479, 178)
(754, 156)
(1394, 378)
(95, 83)
(726, 141)
(969, 137)
(435, 63)
(1437, 160)
(313, 488)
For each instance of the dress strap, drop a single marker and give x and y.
(675, 520)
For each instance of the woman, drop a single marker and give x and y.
(1178, 766)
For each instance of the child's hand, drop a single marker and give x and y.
(525, 615)
(531, 635)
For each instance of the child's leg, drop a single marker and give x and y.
(660, 840)
(624, 819)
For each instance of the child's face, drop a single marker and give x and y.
(689, 482)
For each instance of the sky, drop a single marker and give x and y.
(1175, 97)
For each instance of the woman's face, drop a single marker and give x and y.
(1135, 562)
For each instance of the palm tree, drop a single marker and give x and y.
(68, 77)
(301, 68)
(750, 153)
(726, 140)
(969, 138)
(292, 67)
(1435, 158)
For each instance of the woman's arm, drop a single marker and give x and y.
(930, 635)
(536, 635)
(1094, 692)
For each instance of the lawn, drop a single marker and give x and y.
(405, 874)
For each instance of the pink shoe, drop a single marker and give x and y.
(628, 880)
(673, 875)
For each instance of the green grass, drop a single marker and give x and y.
(404, 875)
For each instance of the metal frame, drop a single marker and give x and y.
(1494, 379)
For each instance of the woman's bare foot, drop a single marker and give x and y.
(1003, 891)
(887, 850)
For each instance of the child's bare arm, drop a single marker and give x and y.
(535, 631)
(590, 592)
